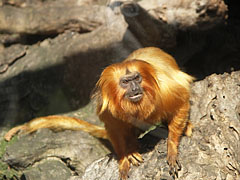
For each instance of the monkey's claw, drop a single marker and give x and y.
(174, 168)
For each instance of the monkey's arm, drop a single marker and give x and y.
(123, 138)
(177, 126)
(57, 123)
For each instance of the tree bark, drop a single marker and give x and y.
(188, 14)
(50, 20)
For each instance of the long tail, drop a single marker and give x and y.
(57, 123)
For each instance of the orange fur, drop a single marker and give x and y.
(165, 98)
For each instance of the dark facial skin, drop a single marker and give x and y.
(132, 83)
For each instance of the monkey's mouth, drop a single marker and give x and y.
(135, 97)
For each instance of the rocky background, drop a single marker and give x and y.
(52, 52)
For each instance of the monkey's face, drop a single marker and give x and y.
(131, 82)
(128, 89)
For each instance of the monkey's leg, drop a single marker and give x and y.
(177, 126)
(124, 140)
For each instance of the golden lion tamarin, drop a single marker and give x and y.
(146, 88)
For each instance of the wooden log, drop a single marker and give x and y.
(51, 19)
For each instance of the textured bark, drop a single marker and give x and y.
(75, 149)
(183, 14)
(188, 14)
(50, 20)
(7, 57)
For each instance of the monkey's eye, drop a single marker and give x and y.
(138, 78)
(124, 83)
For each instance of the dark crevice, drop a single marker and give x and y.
(67, 162)
(30, 39)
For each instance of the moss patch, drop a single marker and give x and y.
(7, 173)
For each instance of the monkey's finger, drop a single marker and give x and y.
(179, 165)
(174, 169)
(138, 157)
(135, 158)
(173, 172)
(124, 166)
(123, 176)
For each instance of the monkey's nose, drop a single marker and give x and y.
(134, 86)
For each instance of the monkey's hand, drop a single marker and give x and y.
(124, 164)
(174, 165)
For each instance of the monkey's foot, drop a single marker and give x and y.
(124, 164)
(174, 166)
(8, 136)
(135, 158)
